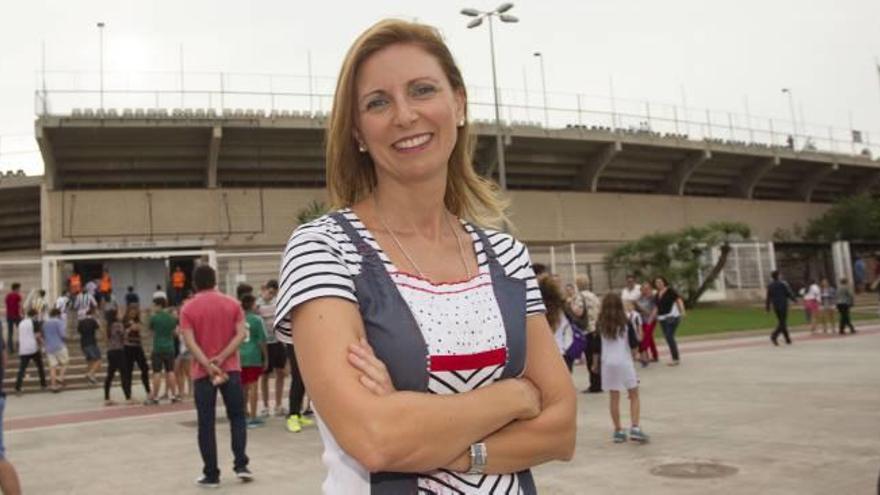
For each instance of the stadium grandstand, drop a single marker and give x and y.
(143, 190)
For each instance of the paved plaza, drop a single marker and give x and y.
(759, 419)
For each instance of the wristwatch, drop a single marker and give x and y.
(479, 458)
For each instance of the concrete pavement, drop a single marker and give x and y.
(802, 419)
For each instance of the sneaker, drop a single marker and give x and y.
(304, 421)
(293, 424)
(175, 399)
(637, 435)
(151, 402)
(205, 482)
(264, 413)
(255, 423)
(281, 412)
(244, 474)
(91, 379)
(619, 436)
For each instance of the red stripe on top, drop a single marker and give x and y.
(469, 361)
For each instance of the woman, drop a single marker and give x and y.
(669, 312)
(812, 298)
(433, 314)
(827, 301)
(646, 306)
(557, 318)
(134, 351)
(115, 358)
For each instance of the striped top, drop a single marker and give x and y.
(321, 261)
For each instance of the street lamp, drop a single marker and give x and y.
(478, 19)
(793, 119)
(101, 60)
(544, 88)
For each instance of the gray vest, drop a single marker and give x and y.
(396, 339)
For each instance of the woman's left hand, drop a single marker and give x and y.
(374, 374)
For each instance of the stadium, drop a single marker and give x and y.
(142, 190)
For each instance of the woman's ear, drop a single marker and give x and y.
(460, 105)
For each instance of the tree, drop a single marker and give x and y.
(313, 210)
(855, 218)
(681, 256)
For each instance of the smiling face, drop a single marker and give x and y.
(407, 113)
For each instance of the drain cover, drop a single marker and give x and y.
(694, 470)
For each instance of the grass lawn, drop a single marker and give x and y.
(717, 319)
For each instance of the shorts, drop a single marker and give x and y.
(162, 361)
(277, 356)
(92, 352)
(59, 358)
(250, 374)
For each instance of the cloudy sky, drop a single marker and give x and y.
(686, 53)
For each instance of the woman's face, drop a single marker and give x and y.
(407, 113)
(658, 283)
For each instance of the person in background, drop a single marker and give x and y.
(39, 305)
(812, 300)
(556, 317)
(160, 294)
(105, 287)
(132, 299)
(83, 303)
(632, 291)
(618, 372)
(9, 483)
(778, 295)
(87, 328)
(13, 313)
(646, 306)
(115, 358)
(844, 302)
(252, 352)
(29, 341)
(110, 309)
(134, 351)
(827, 301)
(860, 274)
(635, 325)
(54, 333)
(669, 312)
(178, 284)
(276, 356)
(213, 327)
(164, 326)
(74, 284)
(590, 303)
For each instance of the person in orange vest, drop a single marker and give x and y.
(178, 282)
(105, 287)
(74, 283)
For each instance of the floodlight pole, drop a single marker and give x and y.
(101, 61)
(544, 89)
(502, 167)
(793, 118)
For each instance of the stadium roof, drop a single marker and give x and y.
(193, 149)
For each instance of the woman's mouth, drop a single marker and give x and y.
(413, 143)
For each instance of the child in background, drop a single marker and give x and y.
(253, 354)
(618, 372)
(634, 329)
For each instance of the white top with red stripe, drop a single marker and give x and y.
(461, 324)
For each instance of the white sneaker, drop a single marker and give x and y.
(264, 413)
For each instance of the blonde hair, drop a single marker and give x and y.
(351, 175)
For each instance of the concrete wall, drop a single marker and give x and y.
(263, 219)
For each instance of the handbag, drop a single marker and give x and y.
(578, 342)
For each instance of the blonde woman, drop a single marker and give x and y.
(412, 323)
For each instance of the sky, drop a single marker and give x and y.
(722, 55)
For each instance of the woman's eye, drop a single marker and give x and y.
(424, 90)
(376, 103)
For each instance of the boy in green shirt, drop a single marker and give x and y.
(253, 354)
(164, 327)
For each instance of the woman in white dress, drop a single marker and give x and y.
(618, 371)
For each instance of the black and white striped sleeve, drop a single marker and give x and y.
(312, 266)
(514, 257)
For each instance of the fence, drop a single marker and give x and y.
(63, 91)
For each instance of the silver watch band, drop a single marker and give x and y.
(479, 458)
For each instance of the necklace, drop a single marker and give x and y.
(406, 254)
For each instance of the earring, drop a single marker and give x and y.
(461, 123)
(362, 147)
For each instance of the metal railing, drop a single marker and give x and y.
(62, 92)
